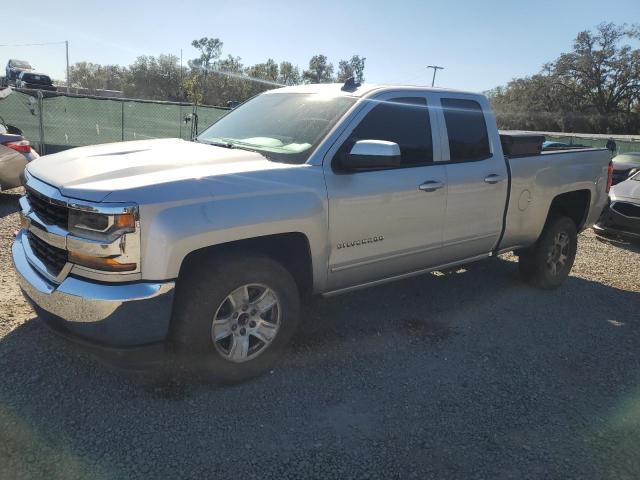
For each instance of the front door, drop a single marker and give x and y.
(386, 222)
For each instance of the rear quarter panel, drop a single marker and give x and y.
(537, 180)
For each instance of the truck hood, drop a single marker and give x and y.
(91, 173)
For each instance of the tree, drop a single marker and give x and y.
(210, 50)
(154, 78)
(320, 70)
(594, 88)
(209, 78)
(344, 71)
(264, 71)
(353, 67)
(288, 75)
(602, 71)
(95, 77)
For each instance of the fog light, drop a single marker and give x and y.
(107, 264)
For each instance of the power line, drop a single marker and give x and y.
(30, 44)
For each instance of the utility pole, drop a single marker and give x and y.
(435, 69)
(66, 44)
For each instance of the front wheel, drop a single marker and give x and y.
(234, 316)
(548, 262)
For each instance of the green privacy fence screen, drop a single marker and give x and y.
(623, 146)
(56, 121)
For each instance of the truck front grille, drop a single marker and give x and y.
(53, 258)
(627, 209)
(49, 212)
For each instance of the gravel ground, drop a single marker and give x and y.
(465, 375)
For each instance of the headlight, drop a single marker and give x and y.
(99, 226)
(104, 241)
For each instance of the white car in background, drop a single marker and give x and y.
(15, 152)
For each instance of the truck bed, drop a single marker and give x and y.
(535, 180)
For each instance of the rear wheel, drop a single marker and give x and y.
(234, 316)
(548, 262)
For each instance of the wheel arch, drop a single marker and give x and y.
(574, 204)
(292, 250)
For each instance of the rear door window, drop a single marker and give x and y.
(403, 120)
(467, 130)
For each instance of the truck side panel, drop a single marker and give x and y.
(537, 180)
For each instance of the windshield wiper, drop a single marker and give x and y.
(246, 147)
(216, 144)
(236, 144)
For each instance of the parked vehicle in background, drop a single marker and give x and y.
(35, 81)
(15, 153)
(625, 165)
(14, 68)
(207, 247)
(622, 215)
(550, 146)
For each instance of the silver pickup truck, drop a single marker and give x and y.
(205, 248)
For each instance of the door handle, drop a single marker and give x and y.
(430, 186)
(493, 178)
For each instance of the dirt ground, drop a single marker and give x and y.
(465, 375)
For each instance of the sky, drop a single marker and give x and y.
(480, 44)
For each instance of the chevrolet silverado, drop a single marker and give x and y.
(205, 248)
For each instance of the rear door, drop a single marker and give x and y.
(383, 223)
(477, 177)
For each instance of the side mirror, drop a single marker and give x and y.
(372, 154)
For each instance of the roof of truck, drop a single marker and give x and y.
(360, 91)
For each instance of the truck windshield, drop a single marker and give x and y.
(285, 127)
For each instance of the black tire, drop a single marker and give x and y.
(203, 288)
(536, 262)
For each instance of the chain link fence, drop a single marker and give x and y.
(600, 141)
(56, 121)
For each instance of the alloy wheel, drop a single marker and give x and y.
(246, 322)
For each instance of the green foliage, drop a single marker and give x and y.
(595, 88)
(151, 77)
(93, 77)
(320, 70)
(209, 79)
(351, 68)
(288, 75)
(210, 50)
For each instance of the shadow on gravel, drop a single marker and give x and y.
(9, 202)
(624, 243)
(465, 375)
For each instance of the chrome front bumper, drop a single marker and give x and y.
(112, 314)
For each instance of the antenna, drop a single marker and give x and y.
(435, 69)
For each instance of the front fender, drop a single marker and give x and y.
(239, 209)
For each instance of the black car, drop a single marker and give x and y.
(625, 165)
(15, 67)
(35, 81)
